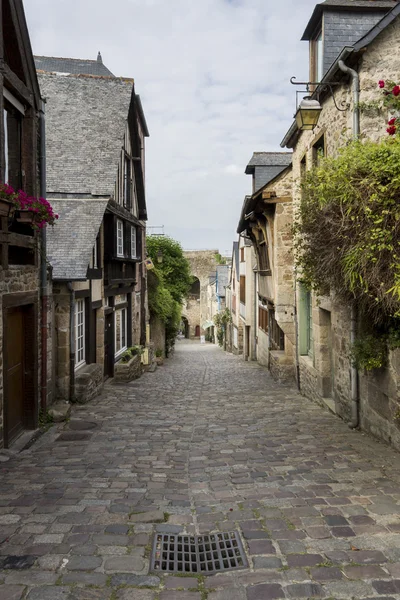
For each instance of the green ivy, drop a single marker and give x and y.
(221, 320)
(348, 228)
(168, 283)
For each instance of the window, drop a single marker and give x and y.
(121, 331)
(79, 333)
(120, 238)
(263, 257)
(243, 289)
(127, 182)
(12, 119)
(277, 337)
(241, 254)
(133, 242)
(319, 58)
(263, 319)
(318, 150)
(96, 253)
(305, 322)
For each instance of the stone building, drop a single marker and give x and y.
(360, 35)
(267, 221)
(195, 310)
(25, 343)
(95, 143)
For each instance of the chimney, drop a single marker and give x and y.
(99, 59)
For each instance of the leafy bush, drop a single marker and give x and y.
(131, 352)
(348, 228)
(221, 320)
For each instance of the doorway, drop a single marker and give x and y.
(20, 381)
(197, 332)
(109, 345)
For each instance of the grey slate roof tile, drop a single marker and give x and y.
(85, 125)
(74, 66)
(70, 242)
(270, 159)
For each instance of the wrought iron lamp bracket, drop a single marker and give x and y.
(319, 88)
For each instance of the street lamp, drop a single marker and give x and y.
(308, 113)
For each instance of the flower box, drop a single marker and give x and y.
(127, 371)
(6, 207)
(25, 216)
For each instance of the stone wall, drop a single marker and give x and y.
(379, 389)
(202, 264)
(125, 372)
(157, 333)
(88, 383)
(191, 310)
(281, 367)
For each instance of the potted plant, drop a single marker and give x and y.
(38, 212)
(8, 197)
(159, 357)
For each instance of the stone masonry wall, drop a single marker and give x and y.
(191, 310)
(202, 264)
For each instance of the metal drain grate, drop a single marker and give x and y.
(205, 554)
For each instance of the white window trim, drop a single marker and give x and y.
(80, 309)
(13, 100)
(120, 229)
(133, 245)
(122, 350)
(95, 256)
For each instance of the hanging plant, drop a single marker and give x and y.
(37, 211)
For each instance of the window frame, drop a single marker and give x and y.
(134, 253)
(319, 56)
(120, 238)
(80, 332)
(13, 109)
(242, 292)
(123, 312)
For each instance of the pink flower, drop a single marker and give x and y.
(392, 121)
(381, 83)
(396, 90)
(391, 130)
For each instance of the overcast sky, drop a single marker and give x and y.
(213, 76)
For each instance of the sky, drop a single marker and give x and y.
(213, 76)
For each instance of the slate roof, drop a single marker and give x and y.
(268, 159)
(86, 118)
(70, 242)
(74, 66)
(345, 5)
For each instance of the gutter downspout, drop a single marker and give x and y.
(255, 317)
(296, 329)
(71, 342)
(355, 407)
(43, 263)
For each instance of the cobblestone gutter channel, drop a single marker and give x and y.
(206, 444)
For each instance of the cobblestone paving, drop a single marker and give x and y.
(207, 442)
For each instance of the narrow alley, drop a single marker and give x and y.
(206, 443)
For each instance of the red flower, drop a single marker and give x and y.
(396, 90)
(381, 84)
(392, 121)
(391, 130)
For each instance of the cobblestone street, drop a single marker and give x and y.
(206, 443)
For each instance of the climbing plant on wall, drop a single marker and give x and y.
(168, 283)
(348, 228)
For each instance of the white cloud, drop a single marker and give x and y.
(213, 76)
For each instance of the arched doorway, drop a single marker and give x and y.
(197, 333)
(185, 327)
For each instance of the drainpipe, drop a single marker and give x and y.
(71, 342)
(255, 317)
(43, 264)
(355, 406)
(296, 329)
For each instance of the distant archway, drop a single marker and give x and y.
(194, 292)
(185, 328)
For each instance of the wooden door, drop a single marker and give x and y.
(109, 345)
(14, 374)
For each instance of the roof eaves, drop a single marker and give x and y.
(141, 116)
